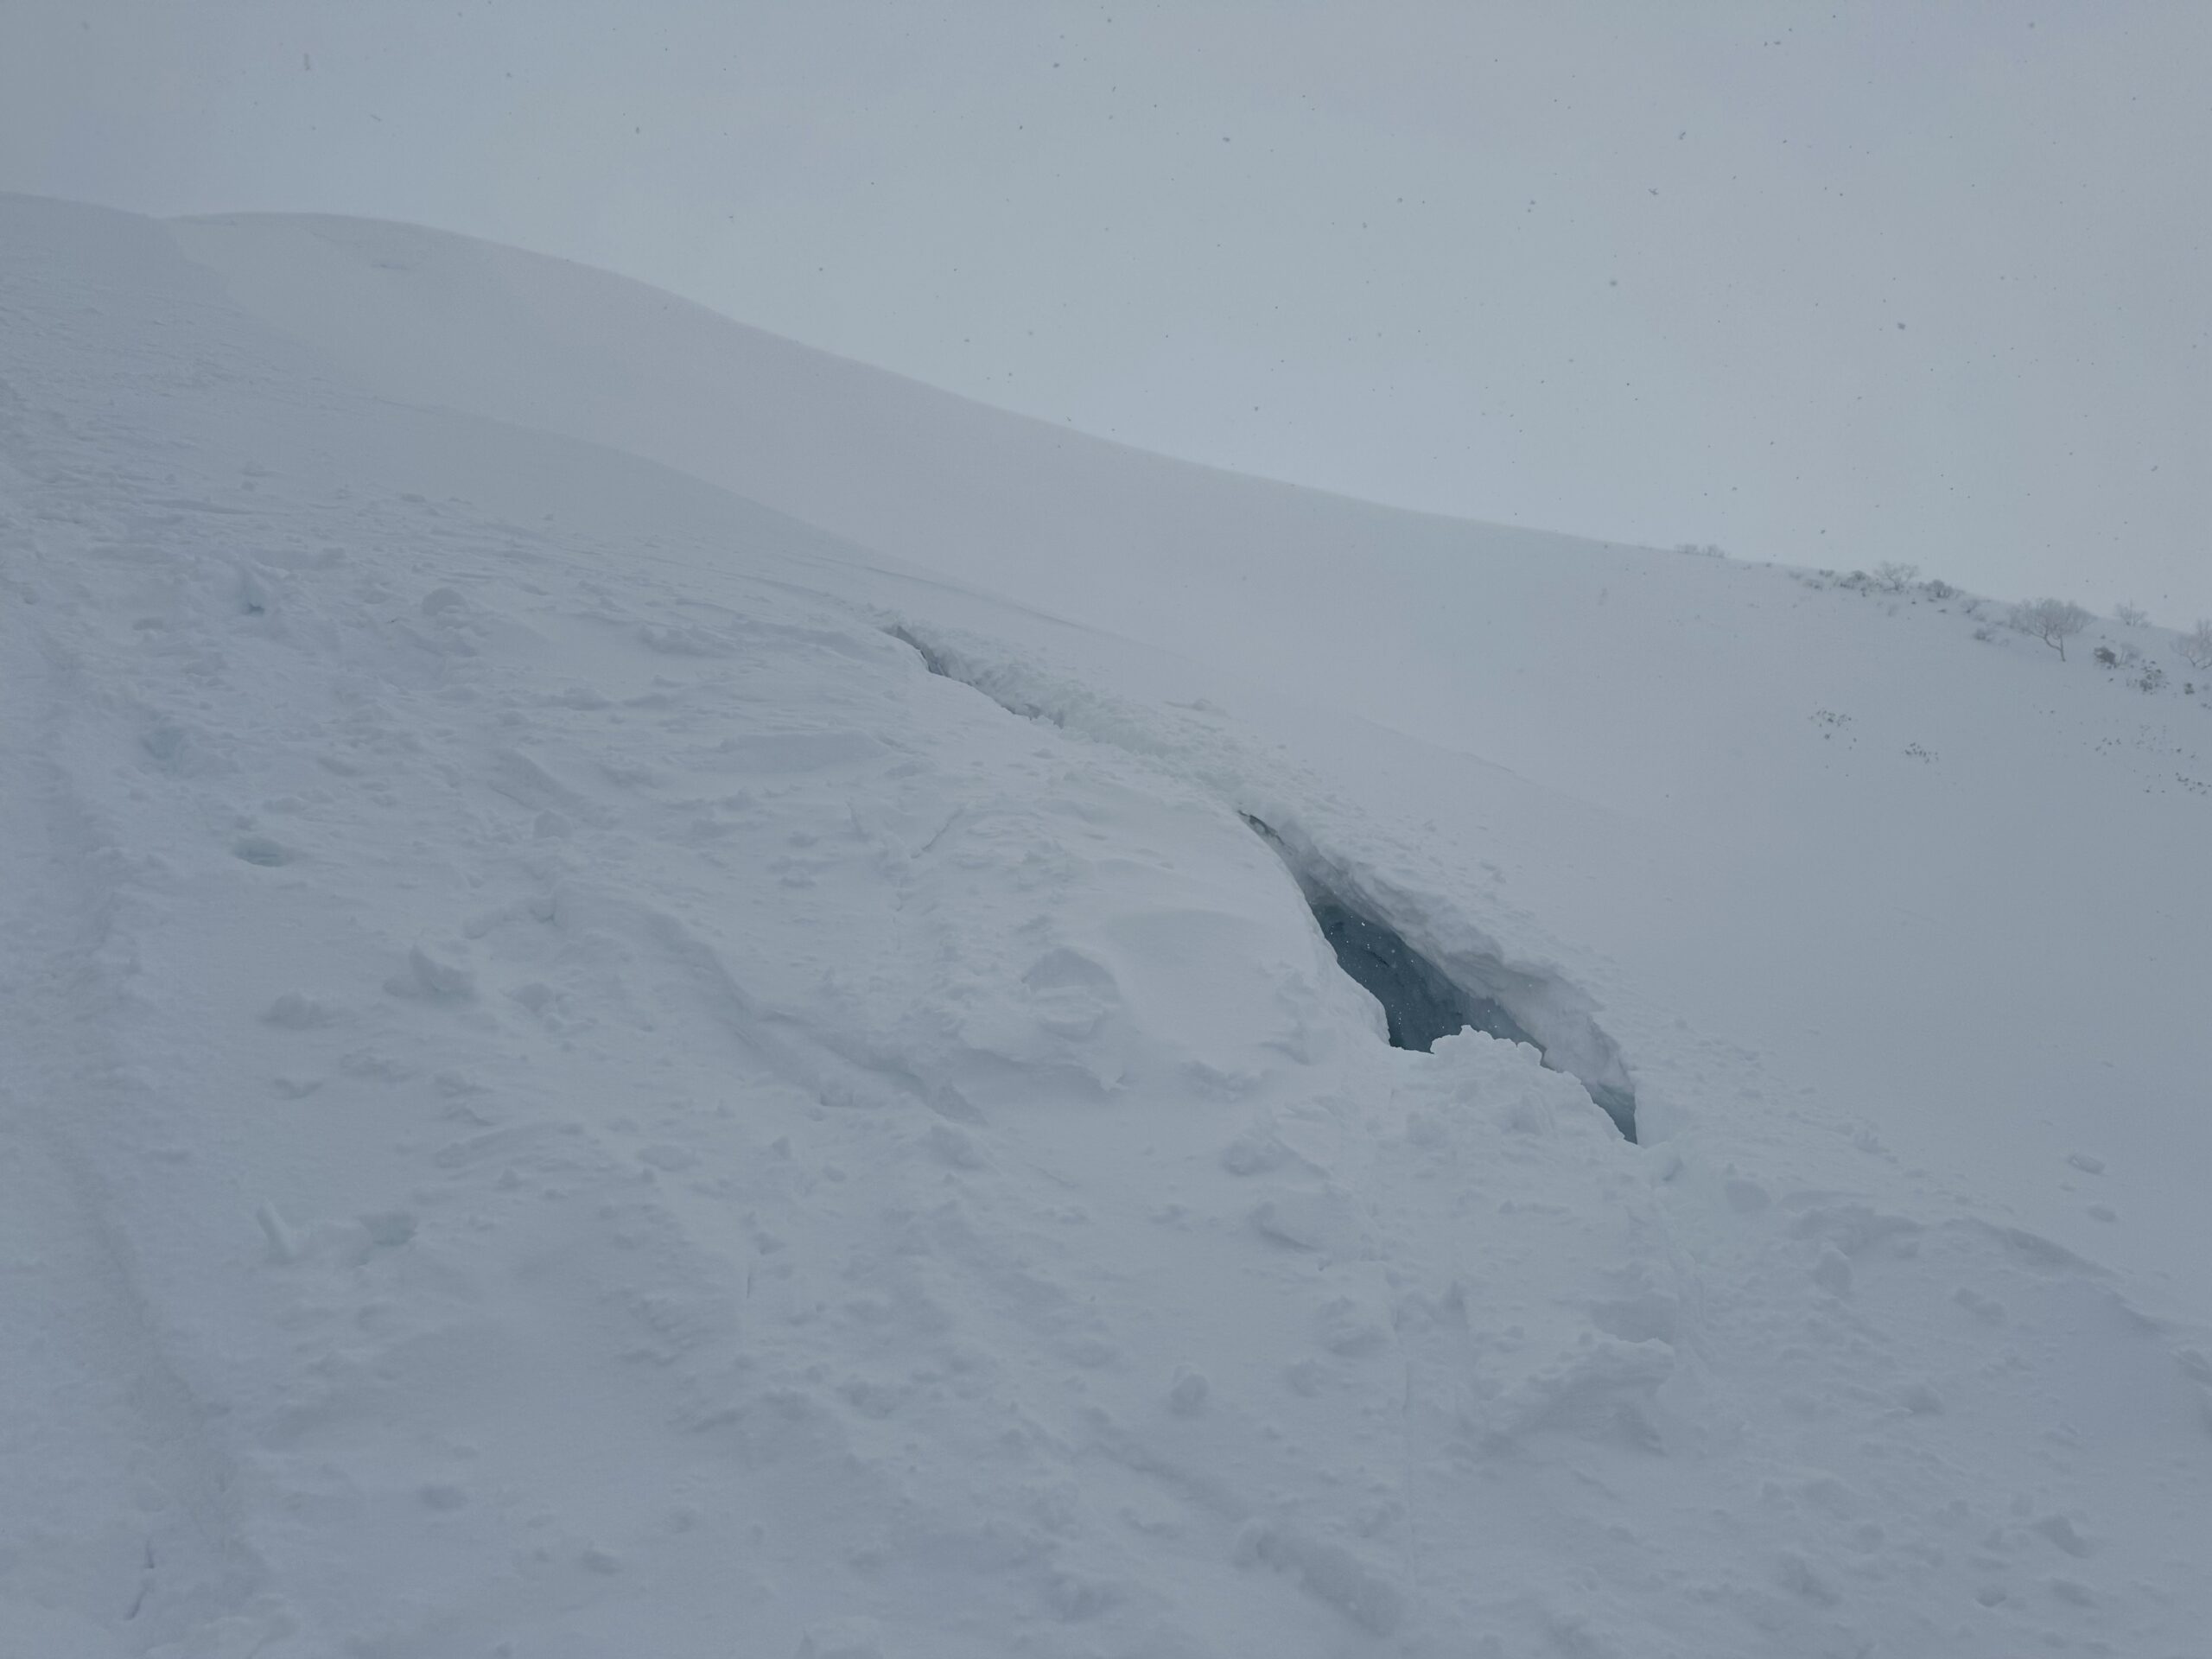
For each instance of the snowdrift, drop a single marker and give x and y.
(645, 1015)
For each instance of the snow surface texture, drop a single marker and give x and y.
(563, 1094)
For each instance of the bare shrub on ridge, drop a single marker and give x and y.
(2053, 621)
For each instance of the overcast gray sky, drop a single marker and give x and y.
(1828, 284)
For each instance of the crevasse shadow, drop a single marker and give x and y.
(1424, 1000)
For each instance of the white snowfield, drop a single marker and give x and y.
(660, 999)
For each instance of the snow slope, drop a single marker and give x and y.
(1838, 830)
(564, 1094)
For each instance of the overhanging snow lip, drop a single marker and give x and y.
(1519, 1003)
(1542, 1007)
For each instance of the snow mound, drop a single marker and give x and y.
(565, 1094)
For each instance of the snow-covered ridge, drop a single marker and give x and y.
(563, 1094)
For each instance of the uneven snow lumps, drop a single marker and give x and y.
(1605, 1389)
(1321, 1218)
(1326, 1571)
(1072, 995)
(433, 979)
(1504, 1086)
(297, 1011)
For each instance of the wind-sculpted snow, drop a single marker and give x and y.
(564, 1096)
(1416, 990)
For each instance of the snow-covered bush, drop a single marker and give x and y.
(2195, 645)
(2129, 616)
(1936, 588)
(2053, 621)
(1892, 577)
(2151, 678)
(2106, 657)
